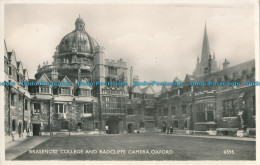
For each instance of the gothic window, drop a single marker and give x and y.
(228, 108)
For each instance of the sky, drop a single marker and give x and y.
(160, 41)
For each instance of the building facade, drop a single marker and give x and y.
(17, 111)
(80, 103)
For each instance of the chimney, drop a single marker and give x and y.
(131, 76)
(209, 64)
(226, 64)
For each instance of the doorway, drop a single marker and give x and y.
(64, 125)
(36, 129)
(130, 126)
(113, 126)
(164, 126)
(20, 129)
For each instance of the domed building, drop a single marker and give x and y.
(75, 53)
(79, 60)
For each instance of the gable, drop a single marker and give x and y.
(26, 75)
(12, 57)
(5, 50)
(148, 90)
(20, 67)
(136, 89)
(65, 80)
(44, 78)
(164, 89)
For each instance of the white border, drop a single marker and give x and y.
(185, 2)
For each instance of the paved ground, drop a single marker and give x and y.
(16, 148)
(122, 147)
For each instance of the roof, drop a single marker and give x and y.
(148, 90)
(165, 89)
(135, 89)
(189, 78)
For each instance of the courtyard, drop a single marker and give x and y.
(140, 147)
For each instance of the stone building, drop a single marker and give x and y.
(82, 106)
(221, 109)
(17, 98)
(142, 108)
(206, 64)
(79, 102)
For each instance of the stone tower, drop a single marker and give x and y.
(206, 64)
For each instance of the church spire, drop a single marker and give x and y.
(205, 52)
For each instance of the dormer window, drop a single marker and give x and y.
(84, 92)
(65, 91)
(44, 89)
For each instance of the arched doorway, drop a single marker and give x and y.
(130, 127)
(113, 125)
(36, 129)
(164, 126)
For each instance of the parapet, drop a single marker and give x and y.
(118, 63)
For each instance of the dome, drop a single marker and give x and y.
(78, 40)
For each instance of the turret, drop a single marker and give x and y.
(226, 64)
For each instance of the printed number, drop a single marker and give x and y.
(229, 152)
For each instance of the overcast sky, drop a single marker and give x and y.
(159, 41)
